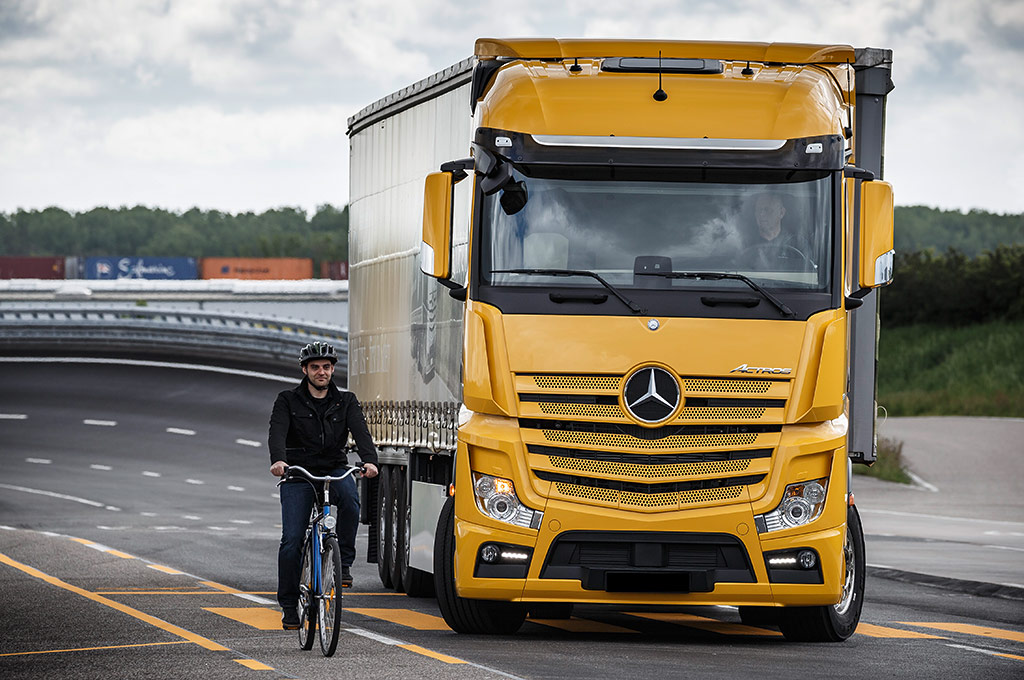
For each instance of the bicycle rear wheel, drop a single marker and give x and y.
(329, 600)
(307, 598)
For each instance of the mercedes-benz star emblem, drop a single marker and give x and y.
(651, 394)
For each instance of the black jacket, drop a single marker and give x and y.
(299, 436)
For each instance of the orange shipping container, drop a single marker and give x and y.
(257, 268)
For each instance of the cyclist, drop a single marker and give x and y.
(309, 426)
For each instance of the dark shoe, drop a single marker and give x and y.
(290, 620)
(346, 578)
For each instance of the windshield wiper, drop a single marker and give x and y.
(576, 272)
(717, 276)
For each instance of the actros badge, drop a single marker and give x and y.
(651, 395)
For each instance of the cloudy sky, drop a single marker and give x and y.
(241, 105)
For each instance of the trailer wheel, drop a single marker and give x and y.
(384, 525)
(464, 615)
(397, 535)
(833, 623)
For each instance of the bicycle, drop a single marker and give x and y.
(320, 580)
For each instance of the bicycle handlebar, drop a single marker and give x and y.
(299, 471)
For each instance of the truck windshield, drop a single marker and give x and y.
(775, 230)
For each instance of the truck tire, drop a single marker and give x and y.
(383, 536)
(833, 623)
(463, 615)
(417, 583)
(397, 535)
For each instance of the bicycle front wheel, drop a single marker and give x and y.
(330, 596)
(307, 597)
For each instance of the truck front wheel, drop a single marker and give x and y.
(836, 622)
(463, 615)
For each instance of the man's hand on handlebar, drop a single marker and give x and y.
(370, 470)
(278, 468)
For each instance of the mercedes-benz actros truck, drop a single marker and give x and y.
(613, 325)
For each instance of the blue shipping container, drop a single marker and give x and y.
(141, 268)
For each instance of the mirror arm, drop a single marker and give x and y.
(856, 298)
(858, 173)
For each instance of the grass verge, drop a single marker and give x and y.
(889, 462)
(972, 371)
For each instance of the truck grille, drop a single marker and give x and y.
(581, 441)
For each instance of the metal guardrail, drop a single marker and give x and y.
(111, 330)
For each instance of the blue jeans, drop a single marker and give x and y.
(297, 497)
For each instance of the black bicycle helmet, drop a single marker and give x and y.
(317, 350)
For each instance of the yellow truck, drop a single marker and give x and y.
(613, 324)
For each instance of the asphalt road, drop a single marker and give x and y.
(138, 532)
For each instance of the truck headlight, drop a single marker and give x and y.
(801, 503)
(496, 497)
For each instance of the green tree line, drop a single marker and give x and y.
(141, 231)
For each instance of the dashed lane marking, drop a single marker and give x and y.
(150, 473)
(197, 482)
(254, 664)
(13, 416)
(405, 617)
(236, 592)
(100, 423)
(92, 649)
(260, 618)
(39, 461)
(968, 629)
(61, 496)
(105, 468)
(423, 651)
(248, 442)
(704, 623)
(871, 630)
(181, 430)
(431, 653)
(990, 652)
(203, 642)
(166, 570)
(104, 549)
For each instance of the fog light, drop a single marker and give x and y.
(490, 553)
(807, 559)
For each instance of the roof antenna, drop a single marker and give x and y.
(747, 71)
(575, 68)
(660, 95)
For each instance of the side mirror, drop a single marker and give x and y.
(436, 249)
(876, 234)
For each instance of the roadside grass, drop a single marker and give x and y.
(972, 371)
(889, 462)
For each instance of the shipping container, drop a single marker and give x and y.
(15, 267)
(334, 270)
(141, 268)
(292, 268)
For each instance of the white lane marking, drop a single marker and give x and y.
(169, 528)
(106, 528)
(7, 528)
(275, 495)
(100, 467)
(194, 517)
(1003, 547)
(180, 430)
(1004, 533)
(927, 486)
(255, 598)
(223, 528)
(150, 473)
(157, 364)
(100, 423)
(978, 649)
(240, 521)
(13, 416)
(1012, 585)
(899, 513)
(248, 442)
(39, 461)
(236, 488)
(165, 570)
(111, 507)
(148, 514)
(194, 481)
(52, 494)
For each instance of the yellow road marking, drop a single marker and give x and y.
(871, 630)
(255, 665)
(142, 616)
(405, 617)
(968, 629)
(92, 649)
(257, 617)
(1010, 656)
(82, 541)
(576, 625)
(704, 623)
(118, 553)
(159, 592)
(221, 587)
(434, 655)
(166, 570)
